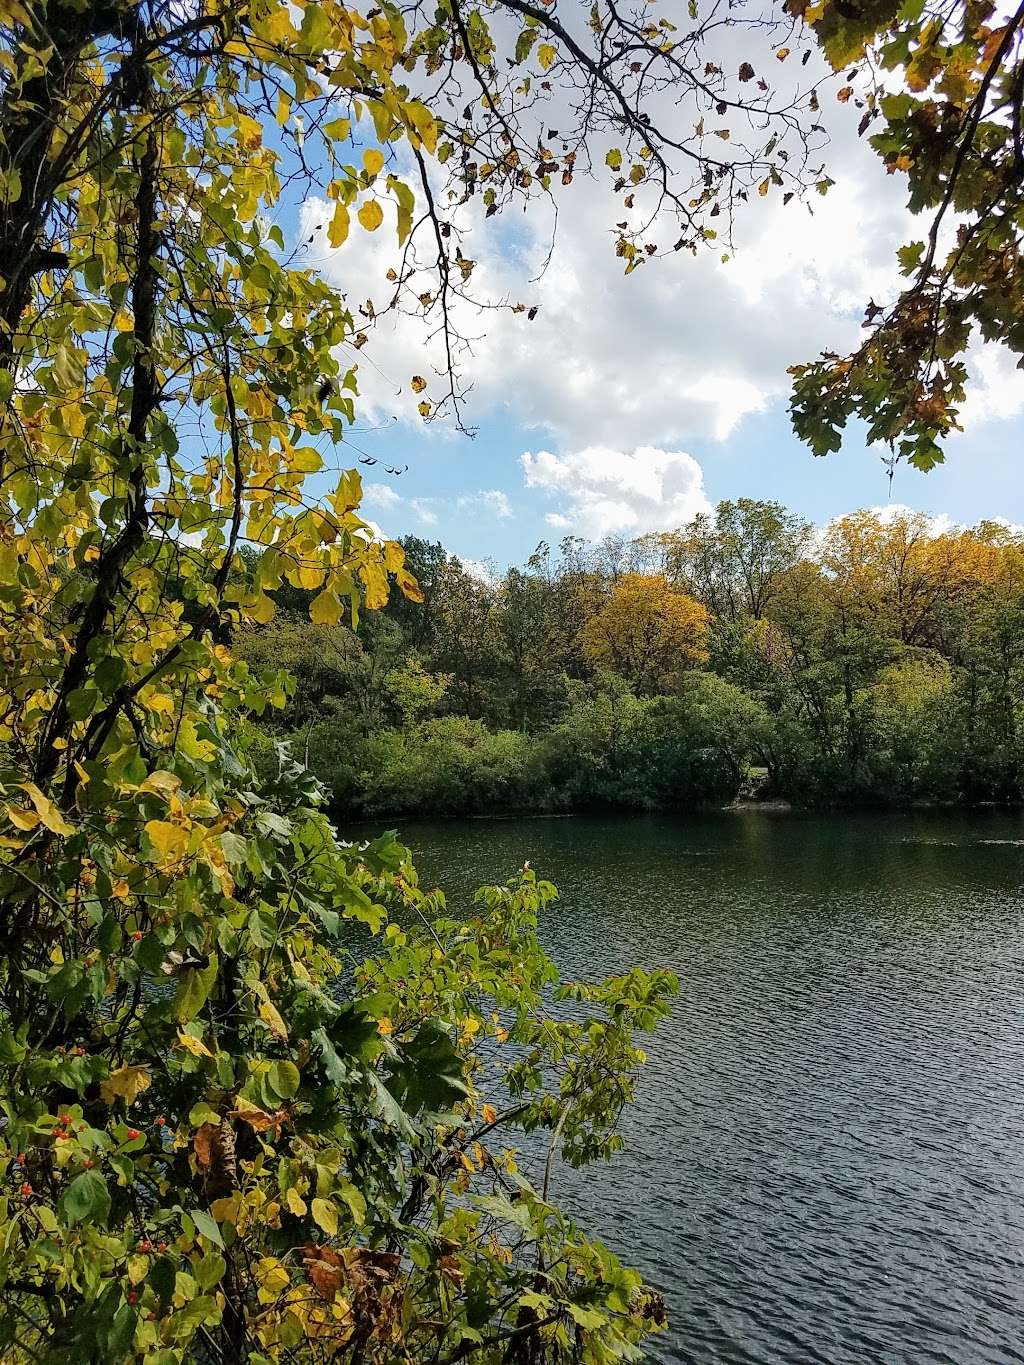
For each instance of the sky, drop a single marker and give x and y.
(631, 404)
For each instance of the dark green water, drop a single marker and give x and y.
(826, 1162)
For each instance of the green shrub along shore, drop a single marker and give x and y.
(877, 662)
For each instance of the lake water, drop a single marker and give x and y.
(826, 1160)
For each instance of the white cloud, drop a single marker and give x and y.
(995, 391)
(491, 500)
(683, 349)
(480, 569)
(380, 495)
(606, 490)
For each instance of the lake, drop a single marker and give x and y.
(826, 1160)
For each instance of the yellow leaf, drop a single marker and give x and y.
(170, 841)
(489, 1113)
(418, 383)
(325, 610)
(371, 215)
(271, 1277)
(259, 608)
(194, 1045)
(161, 703)
(47, 811)
(782, 53)
(325, 1215)
(21, 818)
(546, 54)
(338, 230)
(127, 1083)
(160, 783)
(296, 1203)
(373, 160)
(762, 189)
(272, 1018)
(385, 1026)
(138, 1269)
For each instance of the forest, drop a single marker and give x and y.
(876, 662)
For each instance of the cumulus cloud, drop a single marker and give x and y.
(603, 490)
(683, 349)
(380, 495)
(996, 390)
(490, 500)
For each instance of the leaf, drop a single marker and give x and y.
(356, 1203)
(373, 160)
(546, 54)
(87, 1197)
(257, 1119)
(210, 1270)
(21, 818)
(284, 1079)
(337, 232)
(272, 1018)
(47, 811)
(206, 1225)
(764, 186)
(193, 1044)
(325, 1278)
(296, 1203)
(746, 71)
(614, 159)
(169, 841)
(418, 383)
(194, 986)
(326, 1216)
(371, 215)
(127, 1083)
(206, 1144)
(325, 610)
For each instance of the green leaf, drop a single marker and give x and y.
(206, 1225)
(86, 1198)
(284, 1079)
(194, 989)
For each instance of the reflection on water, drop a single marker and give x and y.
(826, 1162)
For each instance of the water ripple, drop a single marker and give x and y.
(827, 1159)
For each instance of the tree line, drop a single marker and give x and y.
(878, 661)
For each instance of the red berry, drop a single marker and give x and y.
(132, 1296)
(161, 1121)
(87, 1163)
(161, 1246)
(79, 1051)
(65, 1119)
(26, 1189)
(145, 1245)
(20, 1158)
(137, 936)
(133, 1133)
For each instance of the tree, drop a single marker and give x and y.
(647, 632)
(732, 562)
(943, 91)
(228, 1135)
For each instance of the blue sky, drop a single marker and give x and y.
(629, 405)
